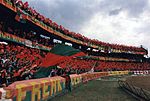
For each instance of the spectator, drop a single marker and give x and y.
(66, 75)
(52, 73)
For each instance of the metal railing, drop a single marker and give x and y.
(137, 92)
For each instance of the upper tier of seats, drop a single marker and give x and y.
(25, 10)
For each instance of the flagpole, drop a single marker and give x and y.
(92, 69)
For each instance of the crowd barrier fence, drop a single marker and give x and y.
(46, 88)
(138, 93)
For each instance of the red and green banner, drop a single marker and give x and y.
(60, 53)
(57, 54)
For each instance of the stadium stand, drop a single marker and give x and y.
(17, 63)
(100, 65)
(27, 47)
(24, 10)
(33, 47)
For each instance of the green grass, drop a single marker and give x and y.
(96, 90)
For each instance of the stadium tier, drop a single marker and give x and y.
(23, 13)
(101, 65)
(17, 63)
(31, 45)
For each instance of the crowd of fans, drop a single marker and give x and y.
(35, 15)
(17, 63)
(86, 65)
(78, 65)
(20, 62)
(109, 65)
(30, 35)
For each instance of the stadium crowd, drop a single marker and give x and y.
(113, 66)
(25, 34)
(85, 65)
(17, 63)
(24, 7)
(78, 65)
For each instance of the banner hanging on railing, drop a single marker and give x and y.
(25, 42)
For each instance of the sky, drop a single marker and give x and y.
(114, 21)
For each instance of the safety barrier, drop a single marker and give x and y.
(35, 90)
(111, 73)
(137, 92)
(46, 88)
(91, 76)
(38, 89)
(145, 72)
(75, 79)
